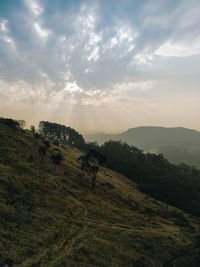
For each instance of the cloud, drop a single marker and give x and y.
(3, 25)
(92, 53)
(34, 6)
(42, 32)
(179, 49)
(72, 87)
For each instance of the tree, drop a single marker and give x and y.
(57, 158)
(93, 172)
(33, 128)
(46, 143)
(22, 123)
(10, 123)
(90, 163)
(42, 151)
(37, 135)
(60, 133)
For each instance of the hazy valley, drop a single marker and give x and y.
(178, 145)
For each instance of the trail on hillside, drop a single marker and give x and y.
(85, 221)
(68, 245)
(100, 223)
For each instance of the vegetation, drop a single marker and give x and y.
(10, 123)
(53, 218)
(90, 163)
(60, 133)
(176, 144)
(42, 151)
(32, 128)
(21, 123)
(56, 158)
(175, 185)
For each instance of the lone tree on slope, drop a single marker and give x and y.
(56, 159)
(90, 163)
(42, 151)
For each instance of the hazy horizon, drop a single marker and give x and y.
(124, 130)
(101, 66)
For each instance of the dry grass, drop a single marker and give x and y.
(53, 218)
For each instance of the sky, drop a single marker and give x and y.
(104, 65)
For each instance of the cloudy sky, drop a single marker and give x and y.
(105, 65)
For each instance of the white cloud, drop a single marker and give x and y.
(179, 49)
(8, 40)
(85, 35)
(113, 95)
(48, 82)
(94, 55)
(21, 91)
(94, 38)
(72, 87)
(91, 60)
(34, 6)
(3, 25)
(140, 86)
(125, 33)
(144, 57)
(67, 75)
(122, 40)
(42, 32)
(5, 35)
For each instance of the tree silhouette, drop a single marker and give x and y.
(56, 159)
(60, 133)
(33, 128)
(90, 163)
(10, 123)
(93, 172)
(21, 123)
(42, 151)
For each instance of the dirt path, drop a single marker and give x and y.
(100, 223)
(85, 221)
(70, 242)
(107, 224)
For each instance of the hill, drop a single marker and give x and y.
(176, 144)
(51, 217)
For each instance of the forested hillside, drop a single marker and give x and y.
(50, 215)
(156, 176)
(178, 145)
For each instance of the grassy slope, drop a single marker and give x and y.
(52, 218)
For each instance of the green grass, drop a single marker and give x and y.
(53, 218)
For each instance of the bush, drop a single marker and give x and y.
(46, 143)
(10, 123)
(56, 143)
(37, 135)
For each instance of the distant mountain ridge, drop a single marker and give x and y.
(177, 144)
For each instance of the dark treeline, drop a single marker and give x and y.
(10, 123)
(61, 133)
(177, 185)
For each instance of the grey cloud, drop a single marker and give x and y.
(71, 38)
